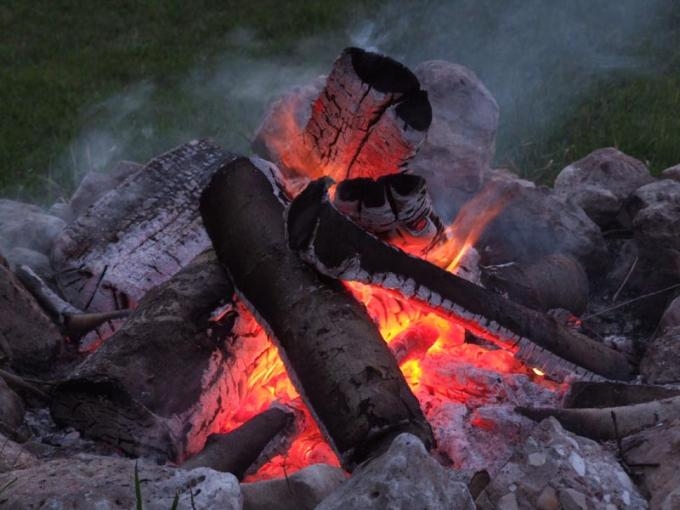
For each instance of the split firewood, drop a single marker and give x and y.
(368, 121)
(162, 383)
(610, 422)
(236, 451)
(139, 234)
(340, 249)
(333, 352)
(586, 394)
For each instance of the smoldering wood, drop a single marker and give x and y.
(160, 383)
(368, 120)
(138, 234)
(609, 423)
(586, 394)
(332, 350)
(338, 248)
(553, 281)
(236, 451)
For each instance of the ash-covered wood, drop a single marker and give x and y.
(236, 451)
(333, 351)
(139, 234)
(160, 383)
(340, 249)
(368, 121)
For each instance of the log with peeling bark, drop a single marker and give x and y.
(139, 234)
(368, 121)
(608, 423)
(236, 451)
(163, 382)
(338, 248)
(332, 350)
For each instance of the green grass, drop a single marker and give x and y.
(86, 84)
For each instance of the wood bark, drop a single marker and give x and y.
(585, 394)
(333, 351)
(236, 451)
(368, 121)
(139, 234)
(340, 249)
(610, 422)
(165, 380)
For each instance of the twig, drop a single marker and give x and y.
(630, 301)
(625, 280)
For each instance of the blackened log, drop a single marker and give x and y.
(368, 121)
(340, 249)
(162, 383)
(236, 451)
(139, 234)
(584, 394)
(333, 351)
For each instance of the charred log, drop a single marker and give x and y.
(332, 350)
(158, 385)
(585, 394)
(236, 451)
(340, 249)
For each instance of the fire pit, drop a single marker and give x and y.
(370, 288)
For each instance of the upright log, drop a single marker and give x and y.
(340, 249)
(164, 381)
(333, 351)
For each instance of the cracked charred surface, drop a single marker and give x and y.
(340, 249)
(162, 383)
(332, 350)
(139, 234)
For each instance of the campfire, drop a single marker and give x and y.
(261, 315)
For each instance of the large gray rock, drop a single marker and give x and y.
(655, 212)
(460, 142)
(656, 452)
(27, 334)
(671, 317)
(39, 262)
(14, 456)
(661, 361)
(87, 482)
(533, 223)
(600, 182)
(303, 490)
(28, 226)
(672, 173)
(556, 469)
(95, 184)
(405, 477)
(12, 413)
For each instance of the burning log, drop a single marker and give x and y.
(368, 121)
(158, 385)
(238, 450)
(139, 234)
(610, 422)
(332, 350)
(340, 249)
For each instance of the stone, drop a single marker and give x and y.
(302, 490)
(12, 413)
(660, 363)
(86, 482)
(14, 456)
(671, 173)
(508, 502)
(36, 260)
(404, 477)
(671, 317)
(27, 334)
(578, 474)
(535, 223)
(460, 142)
(28, 226)
(655, 452)
(504, 174)
(62, 210)
(601, 182)
(94, 185)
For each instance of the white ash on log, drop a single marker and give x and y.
(340, 249)
(368, 121)
(139, 234)
(159, 385)
(236, 451)
(333, 351)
